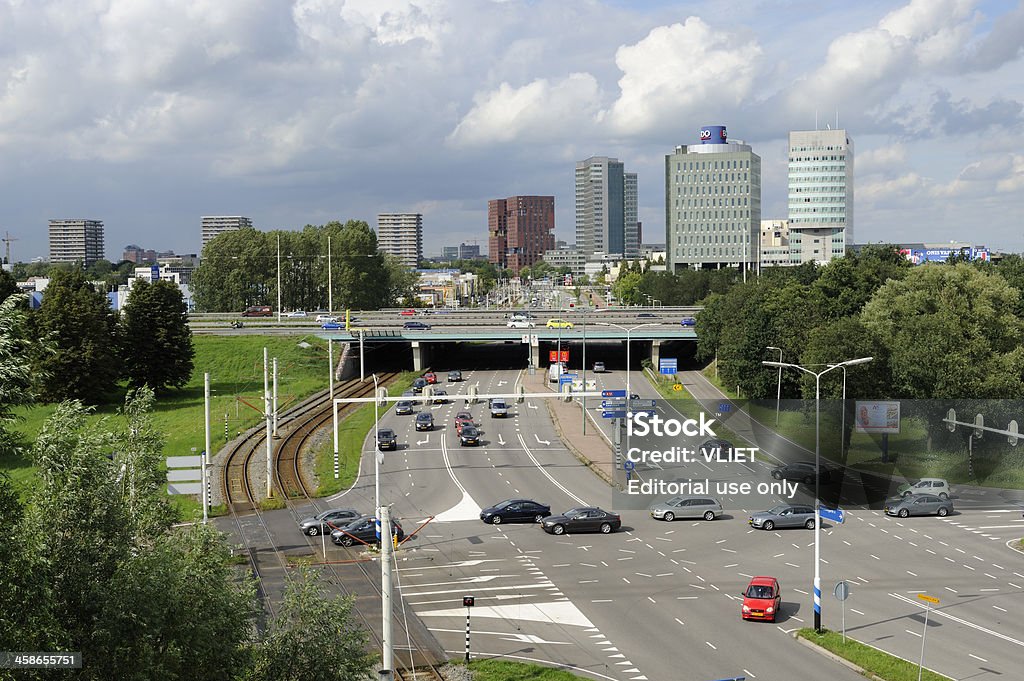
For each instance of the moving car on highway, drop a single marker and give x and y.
(936, 486)
(919, 504)
(688, 321)
(454, 376)
(386, 439)
(322, 522)
(583, 519)
(463, 419)
(498, 407)
(515, 511)
(407, 313)
(762, 599)
(296, 313)
(686, 507)
(417, 326)
(324, 318)
(802, 471)
(469, 436)
(418, 384)
(440, 396)
(424, 421)
(784, 515)
(403, 408)
(363, 530)
(558, 324)
(430, 377)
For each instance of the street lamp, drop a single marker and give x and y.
(842, 432)
(629, 393)
(817, 469)
(778, 396)
(378, 455)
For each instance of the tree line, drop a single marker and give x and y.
(239, 268)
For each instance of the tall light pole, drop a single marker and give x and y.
(330, 288)
(842, 432)
(378, 454)
(817, 469)
(629, 393)
(778, 396)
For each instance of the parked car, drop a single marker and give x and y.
(558, 324)
(936, 486)
(403, 407)
(418, 384)
(430, 377)
(440, 396)
(919, 504)
(599, 367)
(321, 522)
(688, 321)
(515, 511)
(364, 530)
(469, 436)
(454, 376)
(498, 407)
(686, 507)
(407, 313)
(424, 421)
(583, 519)
(800, 470)
(418, 326)
(520, 324)
(762, 599)
(386, 439)
(784, 515)
(296, 313)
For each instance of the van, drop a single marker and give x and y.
(555, 371)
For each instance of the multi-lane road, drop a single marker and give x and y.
(661, 600)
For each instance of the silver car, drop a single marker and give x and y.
(686, 507)
(784, 515)
(919, 504)
(328, 520)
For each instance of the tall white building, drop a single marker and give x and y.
(76, 240)
(713, 203)
(820, 195)
(606, 209)
(401, 235)
(218, 224)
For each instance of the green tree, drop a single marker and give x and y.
(401, 282)
(313, 637)
(848, 283)
(627, 288)
(361, 281)
(156, 342)
(951, 331)
(238, 269)
(8, 285)
(16, 377)
(77, 358)
(840, 340)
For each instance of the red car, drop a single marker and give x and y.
(762, 599)
(408, 313)
(431, 377)
(463, 418)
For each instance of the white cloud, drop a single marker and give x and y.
(883, 159)
(537, 112)
(679, 71)
(1014, 178)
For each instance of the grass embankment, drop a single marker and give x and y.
(235, 365)
(908, 453)
(507, 670)
(874, 661)
(351, 435)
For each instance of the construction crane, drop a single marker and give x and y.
(7, 244)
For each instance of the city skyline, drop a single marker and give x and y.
(147, 129)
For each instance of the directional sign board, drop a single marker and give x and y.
(613, 404)
(836, 515)
(930, 599)
(641, 404)
(668, 365)
(184, 474)
(613, 414)
(613, 393)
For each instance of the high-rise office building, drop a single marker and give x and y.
(218, 224)
(76, 241)
(401, 235)
(606, 209)
(820, 195)
(519, 230)
(713, 203)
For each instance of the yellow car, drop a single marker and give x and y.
(558, 324)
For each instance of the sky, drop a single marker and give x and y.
(148, 114)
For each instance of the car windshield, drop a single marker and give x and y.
(424, 417)
(777, 510)
(759, 591)
(469, 431)
(385, 434)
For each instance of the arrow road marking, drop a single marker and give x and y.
(541, 442)
(423, 442)
(531, 405)
(500, 440)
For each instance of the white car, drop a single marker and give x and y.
(936, 486)
(296, 313)
(520, 324)
(323, 318)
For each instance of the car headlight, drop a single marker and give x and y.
(746, 608)
(769, 610)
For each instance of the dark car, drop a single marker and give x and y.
(801, 470)
(454, 376)
(424, 421)
(363, 530)
(646, 315)
(583, 519)
(515, 511)
(386, 439)
(416, 325)
(418, 384)
(715, 446)
(403, 408)
(919, 504)
(469, 437)
(440, 396)
(322, 522)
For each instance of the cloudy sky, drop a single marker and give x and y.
(148, 114)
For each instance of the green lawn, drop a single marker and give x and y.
(351, 433)
(235, 365)
(882, 664)
(507, 670)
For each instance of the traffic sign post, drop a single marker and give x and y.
(930, 600)
(668, 366)
(468, 602)
(613, 393)
(842, 592)
(836, 515)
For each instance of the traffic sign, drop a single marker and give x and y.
(613, 393)
(629, 465)
(724, 407)
(668, 365)
(613, 404)
(641, 404)
(930, 599)
(613, 414)
(677, 387)
(836, 515)
(842, 591)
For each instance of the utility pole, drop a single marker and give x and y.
(275, 397)
(387, 657)
(278, 278)
(206, 452)
(266, 413)
(330, 289)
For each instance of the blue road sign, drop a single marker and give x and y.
(613, 414)
(836, 515)
(629, 465)
(613, 393)
(613, 404)
(724, 407)
(154, 273)
(668, 365)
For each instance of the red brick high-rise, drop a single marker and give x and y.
(520, 229)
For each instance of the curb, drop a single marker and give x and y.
(835, 658)
(575, 452)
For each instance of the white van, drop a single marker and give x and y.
(555, 371)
